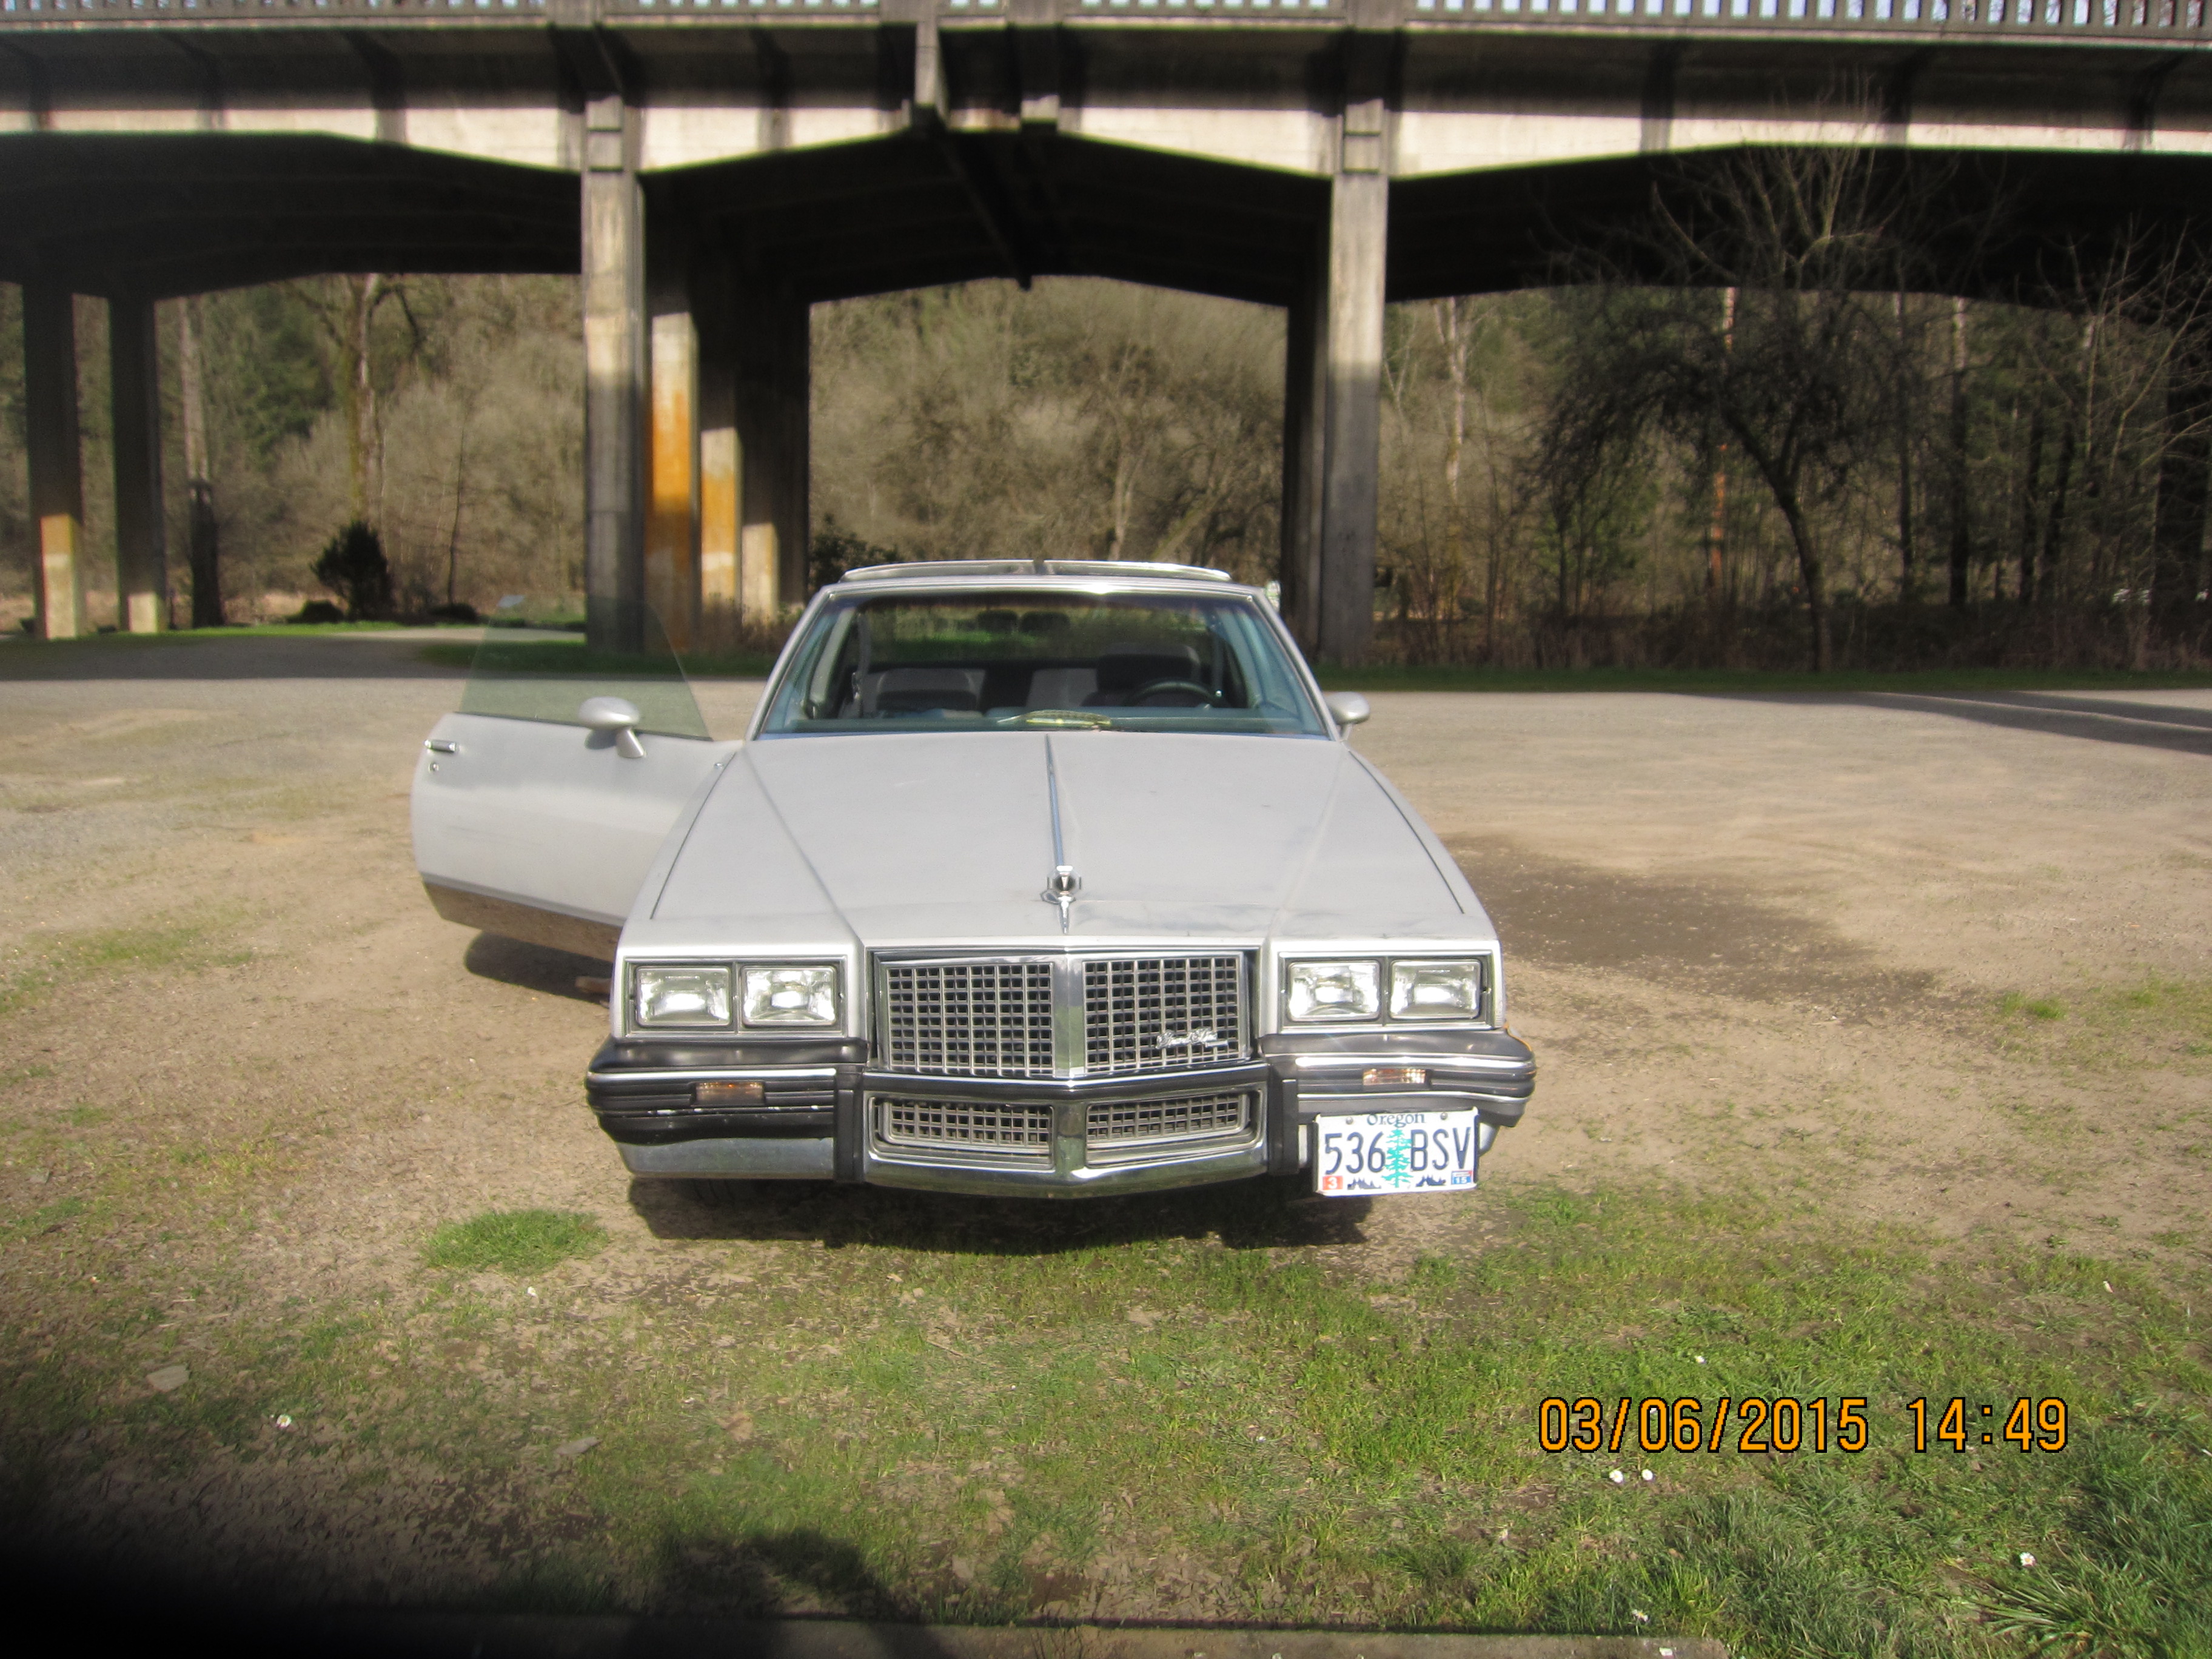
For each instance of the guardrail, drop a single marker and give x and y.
(2177, 22)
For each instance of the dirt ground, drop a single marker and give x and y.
(1754, 939)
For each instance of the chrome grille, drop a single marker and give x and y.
(969, 1018)
(1162, 1013)
(1001, 1128)
(1116, 1123)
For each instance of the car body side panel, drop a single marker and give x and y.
(549, 817)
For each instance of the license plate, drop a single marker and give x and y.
(1358, 1155)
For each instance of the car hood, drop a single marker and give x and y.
(949, 838)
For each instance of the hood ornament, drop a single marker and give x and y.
(1062, 889)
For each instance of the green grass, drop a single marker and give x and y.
(562, 657)
(48, 1217)
(514, 1241)
(206, 635)
(1747, 682)
(990, 1413)
(43, 963)
(2154, 1021)
(2137, 1582)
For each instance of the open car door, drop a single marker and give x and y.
(540, 805)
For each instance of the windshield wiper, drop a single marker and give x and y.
(1076, 719)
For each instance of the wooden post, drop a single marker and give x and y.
(142, 559)
(614, 378)
(56, 476)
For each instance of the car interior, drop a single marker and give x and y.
(926, 659)
(1150, 676)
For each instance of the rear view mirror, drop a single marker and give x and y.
(1346, 707)
(619, 716)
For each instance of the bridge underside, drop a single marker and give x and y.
(158, 216)
(710, 184)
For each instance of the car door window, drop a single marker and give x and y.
(542, 673)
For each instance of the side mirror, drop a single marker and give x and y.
(1347, 708)
(619, 716)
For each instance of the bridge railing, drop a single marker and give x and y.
(1949, 18)
(2113, 21)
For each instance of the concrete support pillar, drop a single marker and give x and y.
(1305, 398)
(1333, 414)
(615, 378)
(1352, 434)
(721, 604)
(772, 357)
(142, 557)
(51, 437)
(671, 516)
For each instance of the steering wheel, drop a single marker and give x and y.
(1211, 699)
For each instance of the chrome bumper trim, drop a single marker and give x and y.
(787, 1159)
(819, 1074)
(1455, 1062)
(1035, 1181)
(1446, 1099)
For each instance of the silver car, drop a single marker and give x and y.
(1039, 878)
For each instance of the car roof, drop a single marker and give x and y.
(967, 570)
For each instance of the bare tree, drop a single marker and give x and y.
(1807, 238)
(203, 535)
(346, 308)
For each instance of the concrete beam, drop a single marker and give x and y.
(142, 554)
(615, 378)
(57, 477)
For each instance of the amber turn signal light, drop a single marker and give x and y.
(1389, 1077)
(751, 1092)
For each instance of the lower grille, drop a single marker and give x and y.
(998, 1129)
(1117, 1124)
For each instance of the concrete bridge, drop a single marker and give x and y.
(713, 167)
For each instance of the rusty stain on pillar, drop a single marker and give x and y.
(671, 516)
(50, 420)
(142, 557)
(614, 377)
(719, 482)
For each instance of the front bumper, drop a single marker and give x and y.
(816, 1111)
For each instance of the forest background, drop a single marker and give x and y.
(1780, 454)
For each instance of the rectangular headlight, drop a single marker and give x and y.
(1322, 993)
(802, 994)
(1435, 990)
(679, 996)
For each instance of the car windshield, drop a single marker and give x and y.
(1028, 659)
